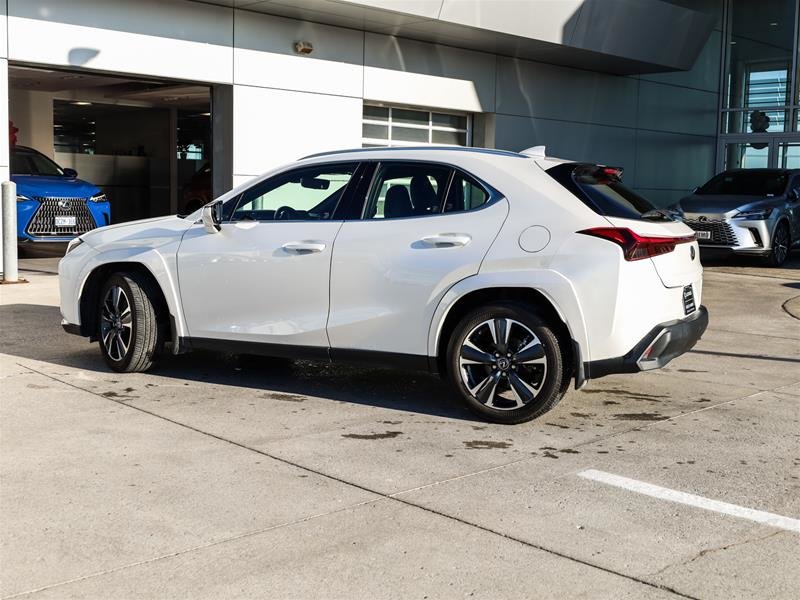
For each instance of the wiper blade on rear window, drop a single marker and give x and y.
(660, 214)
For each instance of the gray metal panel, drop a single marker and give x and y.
(673, 161)
(677, 109)
(574, 141)
(540, 90)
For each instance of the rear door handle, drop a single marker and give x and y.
(446, 240)
(303, 247)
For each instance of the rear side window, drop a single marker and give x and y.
(464, 194)
(601, 189)
(752, 182)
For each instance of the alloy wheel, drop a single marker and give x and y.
(116, 323)
(502, 364)
(780, 244)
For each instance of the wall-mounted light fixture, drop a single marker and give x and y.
(303, 47)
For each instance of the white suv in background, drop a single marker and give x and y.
(509, 273)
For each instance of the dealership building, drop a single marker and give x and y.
(166, 103)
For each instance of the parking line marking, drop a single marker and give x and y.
(656, 491)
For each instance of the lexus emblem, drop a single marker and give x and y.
(691, 252)
(702, 218)
(64, 204)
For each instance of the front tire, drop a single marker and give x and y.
(506, 364)
(128, 327)
(781, 243)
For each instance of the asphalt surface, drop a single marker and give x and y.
(218, 476)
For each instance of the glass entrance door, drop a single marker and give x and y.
(737, 152)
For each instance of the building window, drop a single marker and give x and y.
(399, 126)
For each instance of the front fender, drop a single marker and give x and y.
(159, 263)
(551, 284)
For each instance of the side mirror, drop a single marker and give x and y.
(72, 173)
(212, 217)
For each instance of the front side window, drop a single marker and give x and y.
(408, 190)
(308, 194)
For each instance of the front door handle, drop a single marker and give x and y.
(303, 247)
(446, 240)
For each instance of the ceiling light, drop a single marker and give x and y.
(57, 125)
(208, 114)
(773, 24)
(81, 103)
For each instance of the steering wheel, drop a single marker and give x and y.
(285, 213)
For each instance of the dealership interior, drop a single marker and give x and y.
(146, 143)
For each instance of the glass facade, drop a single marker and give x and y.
(760, 89)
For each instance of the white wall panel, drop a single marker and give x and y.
(4, 118)
(409, 72)
(160, 38)
(3, 29)
(273, 127)
(264, 55)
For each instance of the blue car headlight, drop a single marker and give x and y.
(757, 214)
(98, 198)
(21, 198)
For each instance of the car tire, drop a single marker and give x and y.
(127, 323)
(781, 244)
(498, 387)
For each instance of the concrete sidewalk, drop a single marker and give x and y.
(213, 476)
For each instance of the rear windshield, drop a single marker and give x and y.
(753, 182)
(601, 190)
(27, 162)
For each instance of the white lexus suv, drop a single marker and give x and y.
(512, 274)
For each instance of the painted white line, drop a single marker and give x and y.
(656, 491)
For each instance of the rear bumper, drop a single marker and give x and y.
(663, 343)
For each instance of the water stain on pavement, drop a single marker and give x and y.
(285, 397)
(372, 436)
(485, 444)
(568, 451)
(643, 416)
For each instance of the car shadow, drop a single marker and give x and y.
(409, 391)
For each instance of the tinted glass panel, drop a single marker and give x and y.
(301, 195)
(407, 134)
(407, 190)
(445, 120)
(458, 138)
(25, 162)
(465, 194)
(412, 117)
(376, 113)
(601, 190)
(753, 182)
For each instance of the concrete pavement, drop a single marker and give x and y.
(214, 476)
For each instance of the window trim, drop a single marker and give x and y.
(348, 190)
(494, 196)
(430, 127)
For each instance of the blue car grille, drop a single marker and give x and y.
(721, 232)
(43, 222)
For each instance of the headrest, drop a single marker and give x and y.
(423, 195)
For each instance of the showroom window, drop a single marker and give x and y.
(399, 126)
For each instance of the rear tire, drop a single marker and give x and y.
(127, 321)
(781, 244)
(505, 362)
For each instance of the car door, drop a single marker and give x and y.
(264, 276)
(425, 226)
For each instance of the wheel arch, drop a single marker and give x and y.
(563, 312)
(92, 286)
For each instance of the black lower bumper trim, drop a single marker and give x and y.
(662, 344)
(72, 328)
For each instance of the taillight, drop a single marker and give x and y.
(635, 246)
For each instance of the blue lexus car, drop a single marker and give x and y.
(53, 205)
